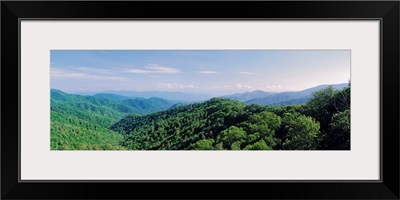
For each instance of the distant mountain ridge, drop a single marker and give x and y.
(246, 96)
(152, 98)
(282, 98)
(167, 95)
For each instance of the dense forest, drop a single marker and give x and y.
(108, 122)
(82, 122)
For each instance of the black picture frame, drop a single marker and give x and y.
(13, 11)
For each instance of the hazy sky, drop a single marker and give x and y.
(200, 71)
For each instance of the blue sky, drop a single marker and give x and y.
(197, 71)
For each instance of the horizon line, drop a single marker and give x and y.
(186, 92)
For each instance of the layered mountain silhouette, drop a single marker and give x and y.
(282, 98)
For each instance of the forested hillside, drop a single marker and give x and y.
(105, 109)
(222, 124)
(82, 122)
(113, 122)
(69, 132)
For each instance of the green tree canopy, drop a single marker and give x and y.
(205, 144)
(339, 134)
(302, 133)
(260, 145)
(231, 135)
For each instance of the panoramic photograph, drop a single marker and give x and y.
(200, 100)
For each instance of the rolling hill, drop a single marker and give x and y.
(189, 126)
(82, 122)
(103, 105)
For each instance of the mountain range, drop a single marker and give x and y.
(114, 122)
(282, 98)
(254, 97)
(167, 95)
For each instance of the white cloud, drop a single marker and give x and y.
(247, 73)
(95, 70)
(162, 69)
(155, 69)
(176, 86)
(111, 78)
(243, 86)
(207, 72)
(279, 87)
(140, 71)
(60, 74)
(237, 86)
